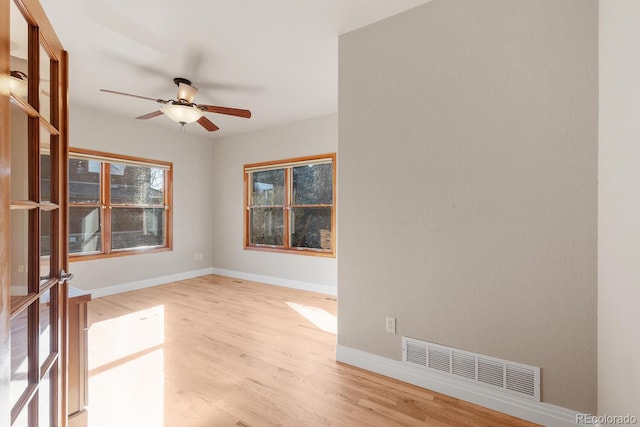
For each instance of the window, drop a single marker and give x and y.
(118, 205)
(290, 205)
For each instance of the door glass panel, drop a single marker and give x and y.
(44, 400)
(45, 326)
(19, 356)
(45, 165)
(84, 230)
(19, 62)
(19, 252)
(45, 244)
(84, 181)
(45, 85)
(23, 418)
(19, 154)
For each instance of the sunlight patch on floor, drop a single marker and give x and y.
(126, 370)
(123, 336)
(321, 318)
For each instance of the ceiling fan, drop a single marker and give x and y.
(183, 110)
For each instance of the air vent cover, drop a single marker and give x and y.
(510, 377)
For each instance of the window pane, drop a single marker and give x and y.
(45, 391)
(19, 252)
(268, 188)
(19, 154)
(137, 227)
(19, 58)
(311, 228)
(45, 326)
(45, 176)
(136, 185)
(84, 181)
(19, 355)
(313, 184)
(23, 418)
(267, 225)
(45, 85)
(45, 243)
(84, 230)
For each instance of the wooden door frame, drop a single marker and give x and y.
(5, 214)
(35, 15)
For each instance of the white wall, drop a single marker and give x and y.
(468, 185)
(619, 210)
(230, 154)
(191, 154)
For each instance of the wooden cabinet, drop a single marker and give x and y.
(78, 369)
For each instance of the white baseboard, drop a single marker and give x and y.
(146, 283)
(270, 280)
(537, 412)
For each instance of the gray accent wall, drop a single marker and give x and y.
(619, 210)
(468, 136)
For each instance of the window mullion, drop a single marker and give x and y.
(168, 212)
(311, 205)
(287, 210)
(248, 179)
(165, 195)
(106, 206)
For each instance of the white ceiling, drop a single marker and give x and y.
(277, 58)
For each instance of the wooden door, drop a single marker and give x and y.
(33, 255)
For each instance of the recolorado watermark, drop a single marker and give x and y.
(606, 419)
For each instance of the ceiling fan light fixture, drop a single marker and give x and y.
(182, 113)
(18, 83)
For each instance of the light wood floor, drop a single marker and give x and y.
(216, 351)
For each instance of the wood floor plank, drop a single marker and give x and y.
(216, 351)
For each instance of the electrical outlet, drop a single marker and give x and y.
(391, 325)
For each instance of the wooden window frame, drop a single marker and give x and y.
(107, 207)
(287, 165)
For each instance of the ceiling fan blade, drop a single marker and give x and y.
(226, 110)
(150, 115)
(207, 124)
(134, 96)
(186, 92)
